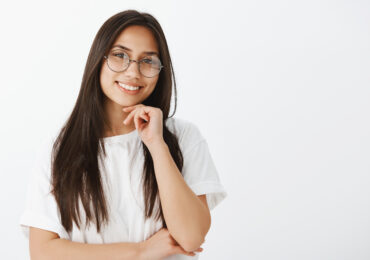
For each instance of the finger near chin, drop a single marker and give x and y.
(126, 109)
(144, 116)
(136, 122)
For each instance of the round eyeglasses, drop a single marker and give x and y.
(149, 66)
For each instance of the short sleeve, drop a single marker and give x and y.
(199, 170)
(40, 208)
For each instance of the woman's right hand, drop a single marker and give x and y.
(161, 245)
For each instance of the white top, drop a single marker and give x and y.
(121, 178)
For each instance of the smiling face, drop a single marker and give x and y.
(136, 41)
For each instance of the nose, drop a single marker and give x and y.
(133, 69)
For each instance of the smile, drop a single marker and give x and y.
(127, 86)
(128, 89)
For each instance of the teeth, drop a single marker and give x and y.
(127, 86)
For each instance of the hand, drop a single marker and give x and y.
(161, 245)
(148, 121)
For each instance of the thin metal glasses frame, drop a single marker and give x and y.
(129, 62)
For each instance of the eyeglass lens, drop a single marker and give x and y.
(149, 66)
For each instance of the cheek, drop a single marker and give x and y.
(106, 79)
(152, 83)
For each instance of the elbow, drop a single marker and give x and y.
(192, 245)
(191, 241)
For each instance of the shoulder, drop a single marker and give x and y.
(187, 132)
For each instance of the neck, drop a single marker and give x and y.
(115, 117)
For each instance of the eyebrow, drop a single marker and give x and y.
(125, 48)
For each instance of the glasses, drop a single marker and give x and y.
(149, 66)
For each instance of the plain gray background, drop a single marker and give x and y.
(280, 90)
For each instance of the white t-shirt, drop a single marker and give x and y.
(123, 189)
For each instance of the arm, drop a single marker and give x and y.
(46, 245)
(187, 216)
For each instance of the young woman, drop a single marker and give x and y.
(122, 179)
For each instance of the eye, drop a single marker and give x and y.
(148, 61)
(120, 55)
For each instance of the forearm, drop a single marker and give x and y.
(187, 218)
(62, 249)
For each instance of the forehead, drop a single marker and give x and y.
(138, 39)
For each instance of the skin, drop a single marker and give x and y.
(127, 113)
(148, 120)
(139, 39)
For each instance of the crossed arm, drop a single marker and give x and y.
(187, 215)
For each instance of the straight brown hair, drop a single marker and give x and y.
(79, 144)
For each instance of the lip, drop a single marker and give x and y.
(130, 92)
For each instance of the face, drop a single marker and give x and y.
(136, 41)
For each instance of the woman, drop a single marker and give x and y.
(122, 179)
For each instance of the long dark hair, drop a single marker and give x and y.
(76, 150)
